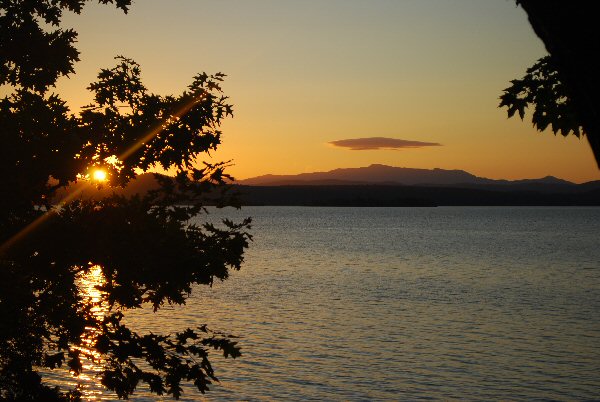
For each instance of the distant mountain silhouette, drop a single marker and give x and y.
(389, 175)
(394, 176)
(378, 174)
(380, 185)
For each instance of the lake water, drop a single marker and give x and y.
(407, 303)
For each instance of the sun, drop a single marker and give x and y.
(99, 175)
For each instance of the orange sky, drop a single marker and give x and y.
(304, 73)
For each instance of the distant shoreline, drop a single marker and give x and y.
(527, 193)
(407, 196)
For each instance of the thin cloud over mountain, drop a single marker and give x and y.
(380, 143)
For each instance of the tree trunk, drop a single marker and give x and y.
(570, 31)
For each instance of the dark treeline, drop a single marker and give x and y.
(392, 195)
(411, 196)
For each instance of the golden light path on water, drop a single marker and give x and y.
(88, 283)
(88, 381)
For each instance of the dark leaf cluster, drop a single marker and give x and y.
(542, 90)
(160, 361)
(151, 249)
(145, 130)
(34, 50)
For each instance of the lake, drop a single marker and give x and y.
(477, 303)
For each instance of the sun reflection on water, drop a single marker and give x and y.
(88, 283)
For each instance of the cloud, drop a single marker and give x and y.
(380, 143)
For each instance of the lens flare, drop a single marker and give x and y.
(4, 247)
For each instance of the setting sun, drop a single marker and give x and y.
(99, 175)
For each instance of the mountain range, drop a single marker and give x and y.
(381, 185)
(389, 175)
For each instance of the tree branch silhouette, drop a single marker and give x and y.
(146, 248)
(569, 77)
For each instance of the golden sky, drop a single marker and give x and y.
(302, 74)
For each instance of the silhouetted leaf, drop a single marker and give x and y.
(147, 251)
(542, 90)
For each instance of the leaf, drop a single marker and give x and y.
(542, 90)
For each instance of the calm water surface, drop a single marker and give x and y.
(407, 303)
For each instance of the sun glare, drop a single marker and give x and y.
(99, 175)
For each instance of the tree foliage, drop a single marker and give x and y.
(148, 251)
(569, 32)
(542, 90)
